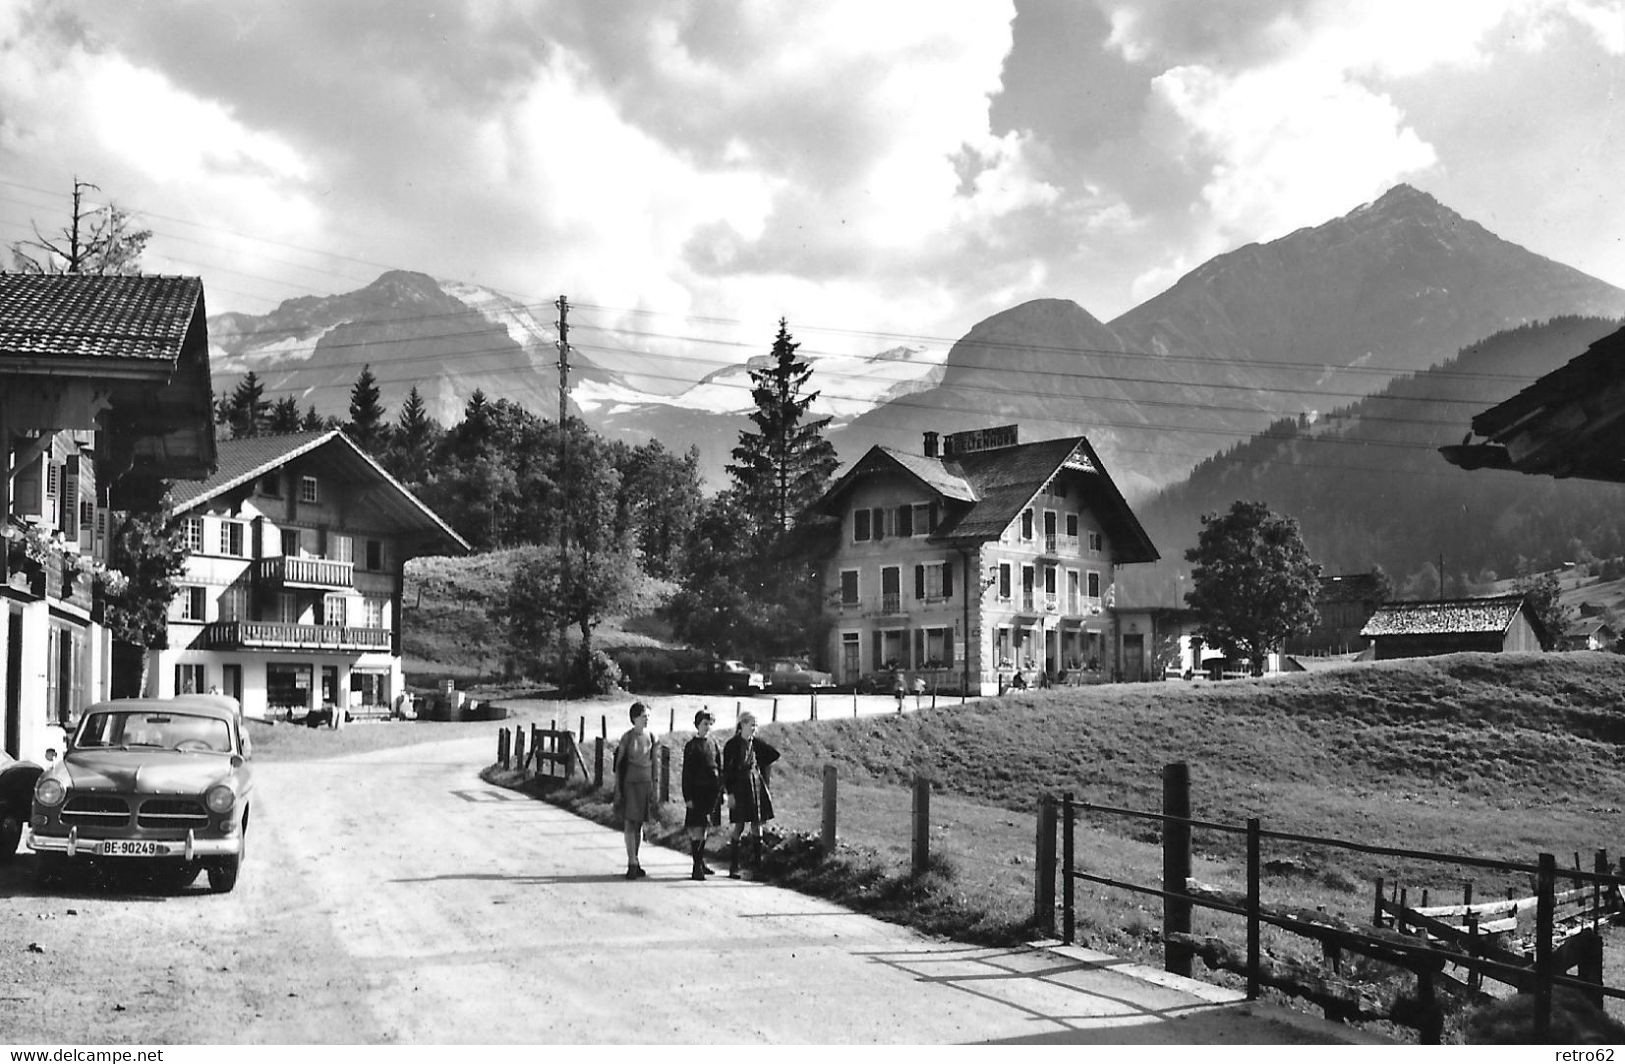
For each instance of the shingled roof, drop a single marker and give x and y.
(245, 460)
(1447, 617)
(142, 340)
(82, 316)
(995, 485)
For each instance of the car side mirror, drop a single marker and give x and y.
(248, 746)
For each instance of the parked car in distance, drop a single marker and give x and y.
(798, 677)
(162, 783)
(720, 676)
(16, 793)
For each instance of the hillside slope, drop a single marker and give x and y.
(1368, 487)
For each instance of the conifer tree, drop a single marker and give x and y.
(412, 441)
(366, 426)
(285, 416)
(249, 412)
(784, 466)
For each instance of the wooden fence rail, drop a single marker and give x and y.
(1429, 942)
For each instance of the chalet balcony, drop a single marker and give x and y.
(319, 574)
(274, 635)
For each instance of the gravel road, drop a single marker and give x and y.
(396, 898)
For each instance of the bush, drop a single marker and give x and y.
(646, 669)
(595, 674)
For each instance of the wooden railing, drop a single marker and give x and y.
(231, 635)
(306, 572)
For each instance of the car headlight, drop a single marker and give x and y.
(220, 798)
(50, 791)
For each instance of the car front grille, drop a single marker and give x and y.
(98, 810)
(172, 813)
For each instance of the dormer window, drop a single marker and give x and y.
(309, 490)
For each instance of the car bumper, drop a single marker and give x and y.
(188, 849)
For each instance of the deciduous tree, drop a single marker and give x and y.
(1253, 584)
(151, 552)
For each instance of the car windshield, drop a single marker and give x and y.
(146, 728)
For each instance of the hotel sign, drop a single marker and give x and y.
(974, 440)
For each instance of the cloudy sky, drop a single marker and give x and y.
(872, 170)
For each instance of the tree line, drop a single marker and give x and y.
(604, 528)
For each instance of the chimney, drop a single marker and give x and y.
(930, 445)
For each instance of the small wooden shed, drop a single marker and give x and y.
(1498, 624)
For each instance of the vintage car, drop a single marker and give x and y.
(798, 677)
(718, 676)
(159, 782)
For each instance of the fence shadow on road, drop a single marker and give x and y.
(1056, 992)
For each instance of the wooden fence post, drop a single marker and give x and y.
(502, 747)
(598, 762)
(1069, 855)
(775, 709)
(826, 833)
(1376, 906)
(671, 720)
(519, 748)
(1599, 865)
(1545, 913)
(1590, 968)
(921, 855)
(812, 710)
(583, 731)
(1044, 867)
(1254, 954)
(665, 774)
(567, 751)
(603, 725)
(1176, 865)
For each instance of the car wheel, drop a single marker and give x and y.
(179, 876)
(223, 873)
(11, 833)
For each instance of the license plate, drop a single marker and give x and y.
(132, 848)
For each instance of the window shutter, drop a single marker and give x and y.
(905, 520)
(860, 525)
(919, 581)
(28, 490)
(69, 520)
(875, 662)
(880, 523)
(919, 647)
(933, 518)
(947, 579)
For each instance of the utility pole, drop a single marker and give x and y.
(564, 477)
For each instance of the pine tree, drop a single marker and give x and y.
(785, 465)
(366, 425)
(285, 416)
(249, 412)
(412, 441)
(313, 422)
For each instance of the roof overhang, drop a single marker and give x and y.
(1569, 423)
